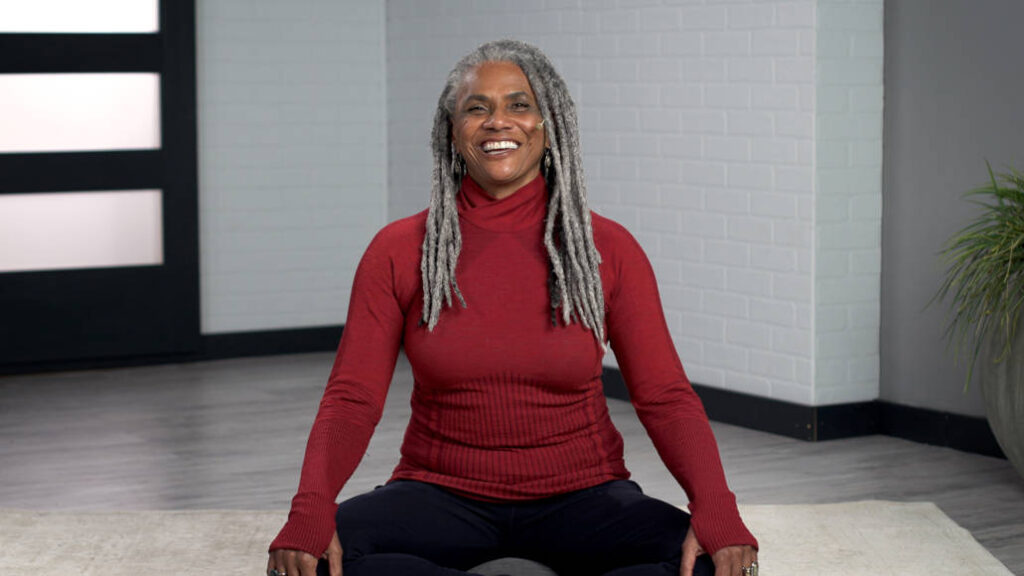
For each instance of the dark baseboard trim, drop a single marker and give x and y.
(212, 347)
(271, 342)
(966, 433)
(817, 423)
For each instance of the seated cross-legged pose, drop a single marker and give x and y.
(504, 294)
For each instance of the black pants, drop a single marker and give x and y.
(415, 529)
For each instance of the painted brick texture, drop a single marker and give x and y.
(848, 222)
(292, 157)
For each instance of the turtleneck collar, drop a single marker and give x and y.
(522, 209)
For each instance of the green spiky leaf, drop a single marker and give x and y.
(985, 271)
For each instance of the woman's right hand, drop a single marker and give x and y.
(299, 563)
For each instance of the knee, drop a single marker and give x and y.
(356, 540)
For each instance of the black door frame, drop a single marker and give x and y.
(97, 315)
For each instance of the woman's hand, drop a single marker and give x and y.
(729, 561)
(299, 563)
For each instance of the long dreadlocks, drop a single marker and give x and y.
(574, 282)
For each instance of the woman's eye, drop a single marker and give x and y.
(520, 106)
(476, 109)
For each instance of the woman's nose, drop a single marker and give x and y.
(497, 119)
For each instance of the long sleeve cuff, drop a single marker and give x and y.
(716, 522)
(310, 526)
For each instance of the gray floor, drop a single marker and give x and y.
(230, 434)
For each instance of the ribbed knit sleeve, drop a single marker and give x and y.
(353, 400)
(665, 402)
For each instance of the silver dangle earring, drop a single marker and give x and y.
(547, 160)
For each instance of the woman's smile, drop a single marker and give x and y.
(495, 147)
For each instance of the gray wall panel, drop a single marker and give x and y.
(953, 87)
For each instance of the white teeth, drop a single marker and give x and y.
(503, 145)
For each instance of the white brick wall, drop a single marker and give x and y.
(742, 152)
(292, 173)
(849, 193)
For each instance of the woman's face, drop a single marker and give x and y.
(496, 127)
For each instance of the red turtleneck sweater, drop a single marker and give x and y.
(506, 406)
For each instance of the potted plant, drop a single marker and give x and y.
(985, 283)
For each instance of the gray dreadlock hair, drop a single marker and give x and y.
(574, 282)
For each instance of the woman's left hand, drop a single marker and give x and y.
(729, 561)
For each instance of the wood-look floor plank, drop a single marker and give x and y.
(230, 434)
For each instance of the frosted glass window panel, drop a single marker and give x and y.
(79, 112)
(56, 231)
(80, 16)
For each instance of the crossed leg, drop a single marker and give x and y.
(416, 529)
(609, 530)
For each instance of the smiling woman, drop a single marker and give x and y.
(510, 450)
